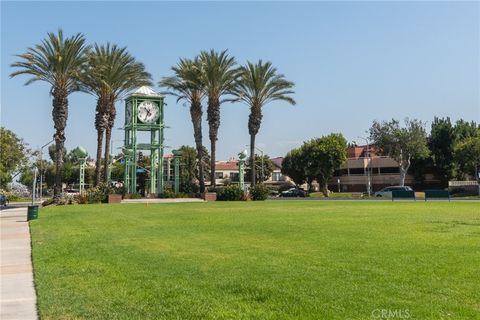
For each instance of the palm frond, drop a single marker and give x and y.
(56, 60)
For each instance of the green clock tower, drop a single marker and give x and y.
(144, 120)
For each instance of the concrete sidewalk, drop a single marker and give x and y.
(17, 293)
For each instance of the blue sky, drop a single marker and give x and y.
(352, 62)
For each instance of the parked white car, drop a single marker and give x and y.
(387, 192)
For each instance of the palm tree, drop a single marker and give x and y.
(219, 77)
(111, 72)
(187, 85)
(56, 60)
(259, 84)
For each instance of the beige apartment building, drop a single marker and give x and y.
(384, 171)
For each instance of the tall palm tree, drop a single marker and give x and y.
(56, 60)
(219, 76)
(111, 72)
(259, 84)
(187, 85)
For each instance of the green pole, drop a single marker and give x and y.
(177, 154)
(82, 174)
(153, 163)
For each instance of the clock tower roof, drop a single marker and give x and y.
(146, 91)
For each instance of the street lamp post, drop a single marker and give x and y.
(369, 184)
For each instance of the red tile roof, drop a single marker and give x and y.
(226, 165)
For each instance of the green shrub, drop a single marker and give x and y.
(134, 196)
(259, 192)
(215, 189)
(230, 193)
(13, 197)
(96, 195)
(80, 199)
(189, 187)
(100, 193)
(47, 202)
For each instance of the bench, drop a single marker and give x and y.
(357, 195)
(437, 194)
(403, 194)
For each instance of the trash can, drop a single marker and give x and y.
(32, 212)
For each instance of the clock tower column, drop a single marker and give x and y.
(144, 113)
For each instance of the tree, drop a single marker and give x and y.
(257, 85)
(52, 151)
(323, 156)
(467, 155)
(441, 144)
(465, 129)
(57, 61)
(400, 143)
(189, 168)
(187, 85)
(264, 168)
(293, 166)
(110, 73)
(13, 156)
(219, 77)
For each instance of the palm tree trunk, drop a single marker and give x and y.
(213, 183)
(196, 114)
(98, 164)
(101, 123)
(112, 113)
(213, 117)
(252, 160)
(108, 136)
(60, 115)
(254, 122)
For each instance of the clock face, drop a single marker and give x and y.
(148, 112)
(129, 112)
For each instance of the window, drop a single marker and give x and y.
(277, 176)
(234, 176)
(357, 171)
(341, 172)
(387, 170)
(218, 175)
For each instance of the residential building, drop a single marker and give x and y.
(383, 171)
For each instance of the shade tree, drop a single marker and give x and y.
(400, 143)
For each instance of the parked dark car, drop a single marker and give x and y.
(294, 192)
(3, 200)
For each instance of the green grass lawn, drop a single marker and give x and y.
(258, 260)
